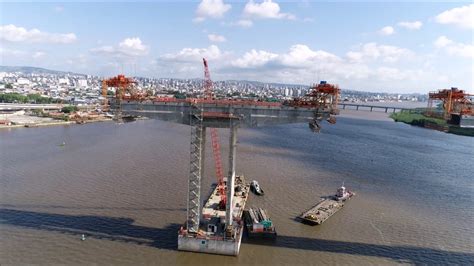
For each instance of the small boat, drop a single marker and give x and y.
(255, 187)
(342, 194)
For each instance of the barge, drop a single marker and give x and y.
(259, 224)
(326, 207)
(213, 236)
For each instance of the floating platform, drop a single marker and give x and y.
(212, 236)
(325, 208)
(259, 224)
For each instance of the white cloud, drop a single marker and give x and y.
(453, 48)
(387, 30)
(460, 16)
(216, 38)
(301, 55)
(194, 54)
(133, 47)
(442, 41)
(211, 9)
(130, 47)
(13, 33)
(38, 54)
(415, 25)
(254, 58)
(266, 9)
(374, 51)
(298, 56)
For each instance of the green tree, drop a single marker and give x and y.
(69, 109)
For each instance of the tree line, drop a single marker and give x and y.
(30, 98)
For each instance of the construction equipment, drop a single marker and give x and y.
(122, 86)
(322, 97)
(216, 147)
(455, 102)
(211, 229)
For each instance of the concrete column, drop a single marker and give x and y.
(231, 175)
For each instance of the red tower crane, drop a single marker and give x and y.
(216, 146)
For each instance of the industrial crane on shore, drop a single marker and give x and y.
(455, 102)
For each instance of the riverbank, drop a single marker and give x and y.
(418, 119)
(29, 121)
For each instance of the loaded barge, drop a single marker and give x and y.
(326, 207)
(213, 236)
(259, 224)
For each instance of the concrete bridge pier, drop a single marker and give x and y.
(231, 177)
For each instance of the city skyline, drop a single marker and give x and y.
(387, 47)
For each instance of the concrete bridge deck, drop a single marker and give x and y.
(248, 115)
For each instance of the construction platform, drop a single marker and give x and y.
(213, 236)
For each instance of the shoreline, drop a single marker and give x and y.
(53, 123)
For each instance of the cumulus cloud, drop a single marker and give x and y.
(193, 54)
(265, 10)
(130, 47)
(211, 9)
(454, 48)
(415, 25)
(459, 16)
(298, 56)
(387, 30)
(254, 58)
(374, 51)
(13, 33)
(216, 38)
(442, 41)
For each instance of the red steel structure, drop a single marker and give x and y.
(216, 147)
(455, 101)
(321, 97)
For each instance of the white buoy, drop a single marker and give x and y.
(83, 237)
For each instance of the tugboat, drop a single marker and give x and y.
(326, 207)
(255, 187)
(342, 194)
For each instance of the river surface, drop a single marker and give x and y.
(124, 187)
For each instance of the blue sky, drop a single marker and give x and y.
(375, 46)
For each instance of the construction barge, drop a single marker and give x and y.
(213, 235)
(259, 224)
(327, 207)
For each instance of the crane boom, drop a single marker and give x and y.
(216, 147)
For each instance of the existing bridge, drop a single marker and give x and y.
(367, 107)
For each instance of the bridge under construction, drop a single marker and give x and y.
(217, 227)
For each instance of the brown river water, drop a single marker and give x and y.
(124, 187)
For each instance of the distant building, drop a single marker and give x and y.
(23, 81)
(82, 83)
